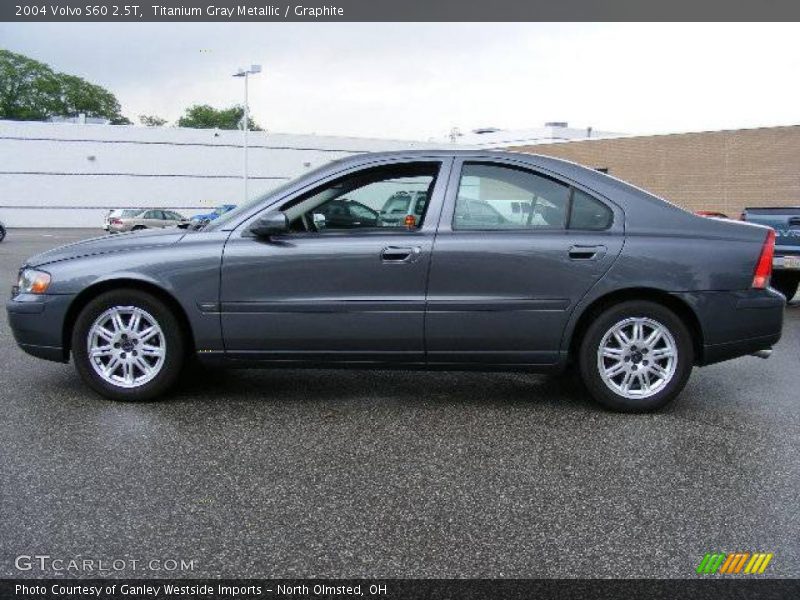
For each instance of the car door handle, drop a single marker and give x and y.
(395, 254)
(586, 252)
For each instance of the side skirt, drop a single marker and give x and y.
(220, 359)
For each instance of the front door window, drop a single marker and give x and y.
(393, 196)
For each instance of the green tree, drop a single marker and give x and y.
(203, 116)
(32, 91)
(152, 120)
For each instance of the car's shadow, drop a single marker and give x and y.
(376, 386)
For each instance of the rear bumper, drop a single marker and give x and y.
(736, 323)
(782, 253)
(37, 322)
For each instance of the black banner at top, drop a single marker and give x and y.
(396, 10)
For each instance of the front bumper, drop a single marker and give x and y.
(736, 323)
(37, 322)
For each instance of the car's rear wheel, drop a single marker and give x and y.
(127, 345)
(138, 228)
(786, 283)
(636, 356)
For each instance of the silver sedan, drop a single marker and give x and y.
(144, 219)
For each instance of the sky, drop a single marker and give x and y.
(419, 80)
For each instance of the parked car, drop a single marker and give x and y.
(200, 220)
(120, 213)
(630, 289)
(2, 232)
(151, 218)
(403, 208)
(786, 264)
(478, 213)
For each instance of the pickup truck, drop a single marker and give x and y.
(786, 262)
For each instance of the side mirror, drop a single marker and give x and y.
(273, 223)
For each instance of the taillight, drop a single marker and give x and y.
(764, 266)
(115, 221)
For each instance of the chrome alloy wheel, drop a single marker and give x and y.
(126, 346)
(637, 357)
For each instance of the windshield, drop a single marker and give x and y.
(224, 221)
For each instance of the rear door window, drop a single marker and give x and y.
(494, 196)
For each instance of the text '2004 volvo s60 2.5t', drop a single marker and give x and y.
(497, 261)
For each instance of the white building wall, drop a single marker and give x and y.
(70, 175)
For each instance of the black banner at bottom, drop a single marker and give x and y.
(400, 589)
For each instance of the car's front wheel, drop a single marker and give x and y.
(636, 356)
(127, 345)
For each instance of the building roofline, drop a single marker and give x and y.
(658, 135)
(174, 128)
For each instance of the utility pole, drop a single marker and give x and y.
(253, 70)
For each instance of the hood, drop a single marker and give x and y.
(108, 243)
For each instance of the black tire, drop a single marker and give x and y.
(138, 228)
(2, 233)
(590, 345)
(174, 355)
(786, 283)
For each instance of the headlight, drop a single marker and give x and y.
(32, 281)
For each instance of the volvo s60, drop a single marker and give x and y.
(511, 262)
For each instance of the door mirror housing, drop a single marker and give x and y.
(273, 223)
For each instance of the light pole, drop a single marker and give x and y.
(253, 70)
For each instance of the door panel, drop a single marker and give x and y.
(504, 296)
(151, 219)
(355, 294)
(322, 294)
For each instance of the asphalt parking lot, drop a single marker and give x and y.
(396, 474)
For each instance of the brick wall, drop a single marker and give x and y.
(720, 170)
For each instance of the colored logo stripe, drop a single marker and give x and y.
(734, 562)
(758, 563)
